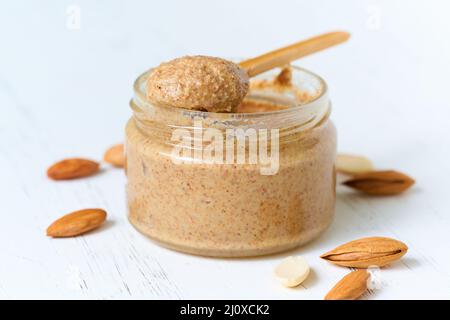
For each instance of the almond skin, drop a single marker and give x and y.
(350, 287)
(72, 168)
(77, 223)
(380, 183)
(115, 156)
(367, 252)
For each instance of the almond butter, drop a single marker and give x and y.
(353, 164)
(76, 223)
(115, 155)
(72, 168)
(380, 182)
(366, 252)
(350, 287)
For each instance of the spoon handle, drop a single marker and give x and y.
(283, 56)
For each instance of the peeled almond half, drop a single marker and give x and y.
(353, 164)
(292, 271)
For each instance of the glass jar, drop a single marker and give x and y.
(198, 183)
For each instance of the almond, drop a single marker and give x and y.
(292, 271)
(115, 155)
(367, 252)
(352, 164)
(380, 182)
(72, 168)
(350, 287)
(76, 223)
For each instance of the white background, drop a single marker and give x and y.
(64, 92)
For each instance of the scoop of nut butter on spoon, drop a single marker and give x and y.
(217, 85)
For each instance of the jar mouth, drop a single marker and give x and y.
(304, 114)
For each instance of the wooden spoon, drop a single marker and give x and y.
(283, 56)
(169, 88)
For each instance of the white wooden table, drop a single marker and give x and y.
(64, 91)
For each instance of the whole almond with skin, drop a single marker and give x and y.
(366, 252)
(77, 223)
(72, 168)
(380, 183)
(350, 287)
(353, 164)
(115, 155)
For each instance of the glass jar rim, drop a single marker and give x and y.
(304, 114)
(140, 95)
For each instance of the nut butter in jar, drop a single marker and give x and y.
(249, 183)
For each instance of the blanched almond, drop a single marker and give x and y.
(292, 271)
(72, 168)
(353, 164)
(77, 223)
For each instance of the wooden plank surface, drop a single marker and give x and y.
(64, 92)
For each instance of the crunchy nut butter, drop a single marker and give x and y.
(198, 83)
(231, 209)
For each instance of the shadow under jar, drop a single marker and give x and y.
(191, 199)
